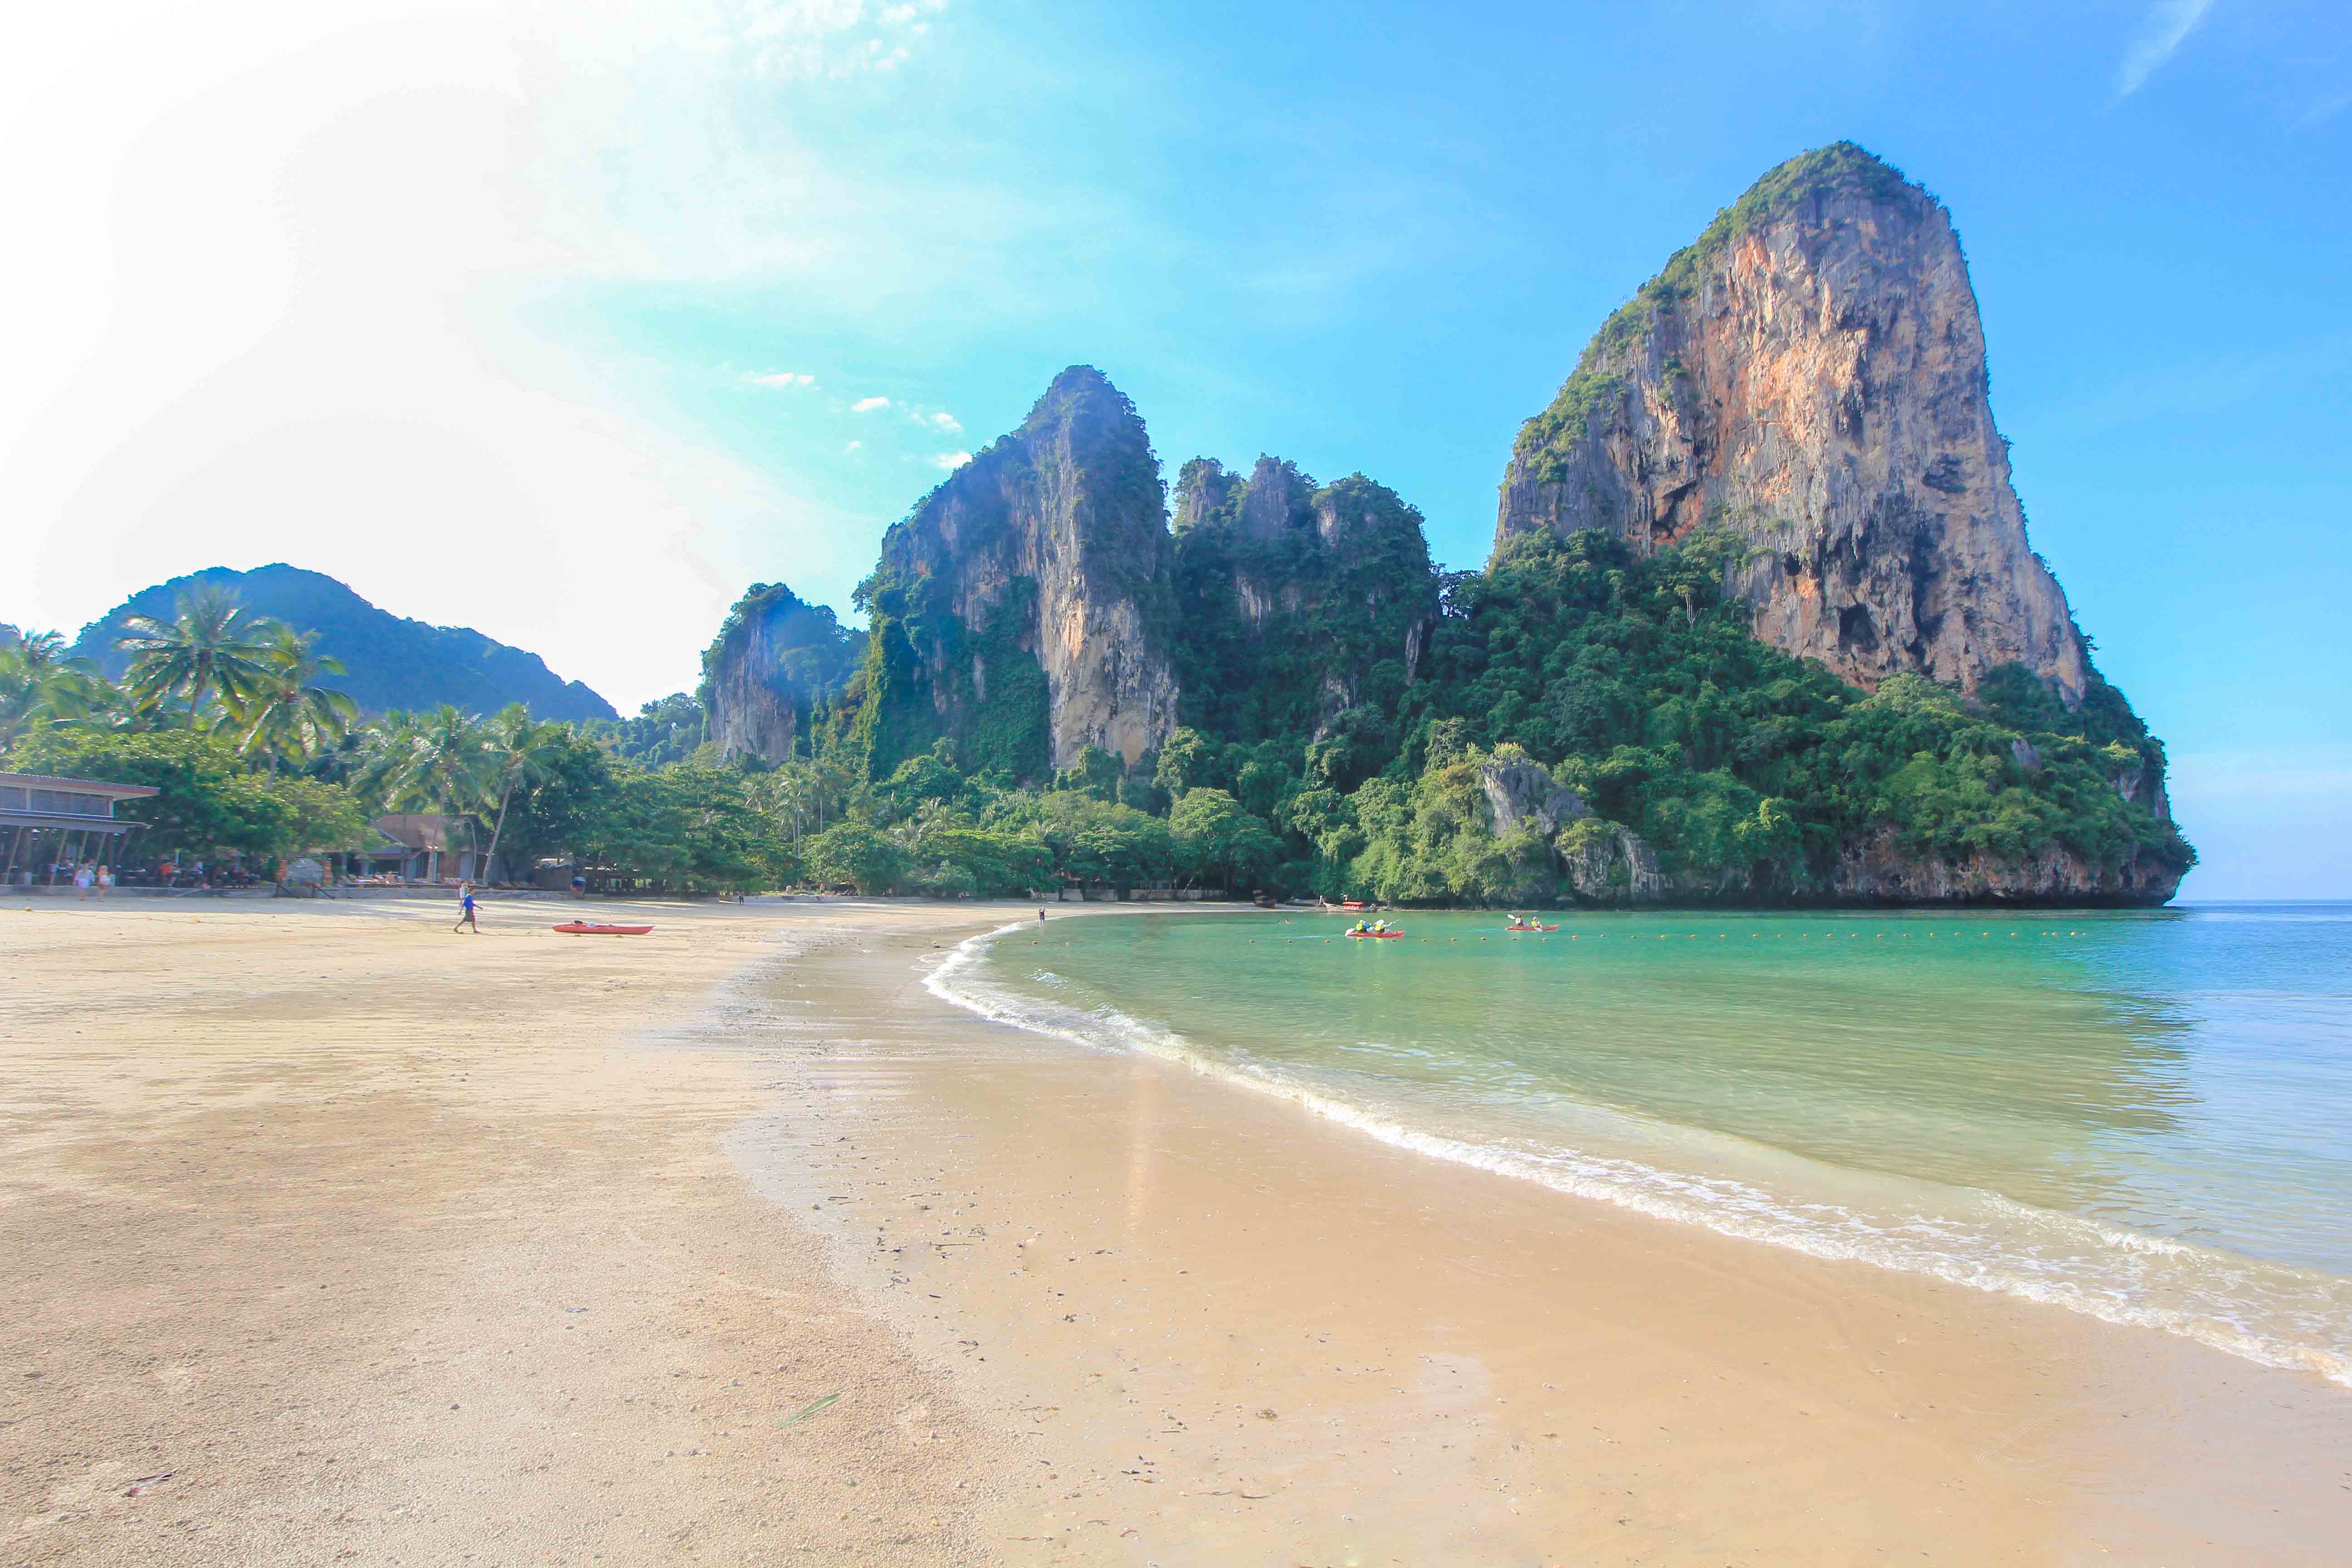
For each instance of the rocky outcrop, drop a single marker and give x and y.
(1606, 863)
(775, 656)
(1807, 381)
(1031, 590)
(1521, 794)
(1880, 869)
(1299, 603)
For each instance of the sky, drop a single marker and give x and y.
(570, 321)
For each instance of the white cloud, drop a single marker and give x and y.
(853, 446)
(821, 37)
(945, 421)
(868, 404)
(2169, 22)
(782, 378)
(950, 461)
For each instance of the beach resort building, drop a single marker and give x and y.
(417, 847)
(49, 822)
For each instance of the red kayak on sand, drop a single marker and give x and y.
(598, 928)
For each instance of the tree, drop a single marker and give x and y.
(210, 649)
(563, 812)
(688, 825)
(930, 776)
(284, 715)
(439, 762)
(851, 852)
(22, 690)
(519, 755)
(33, 672)
(211, 802)
(1223, 840)
(1114, 844)
(76, 699)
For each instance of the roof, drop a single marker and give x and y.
(79, 786)
(417, 830)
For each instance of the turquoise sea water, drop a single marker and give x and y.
(2142, 1116)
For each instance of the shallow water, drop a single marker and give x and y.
(2144, 1116)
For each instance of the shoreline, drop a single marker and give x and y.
(861, 1277)
(1734, 1206)
(1121, 1200)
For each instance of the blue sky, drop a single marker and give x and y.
(568, 321)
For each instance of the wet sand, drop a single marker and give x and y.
(1226, 1329)
(376, 1244)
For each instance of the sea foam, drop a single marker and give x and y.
(2267, 1313)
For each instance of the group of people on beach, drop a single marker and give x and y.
(87, 878)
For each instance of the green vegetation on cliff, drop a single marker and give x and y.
(1640, 689)
(808, 653)
(1311, 760)
(1073, 498)
(1293, 632)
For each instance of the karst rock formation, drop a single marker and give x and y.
(1808, 378)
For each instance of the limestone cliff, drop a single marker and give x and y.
(1606, 863)
(773, 658)
(1304, 609)
(1022, 610)
(1808, 378)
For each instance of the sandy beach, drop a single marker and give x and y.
(337, 1237)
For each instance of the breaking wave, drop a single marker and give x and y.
(2271, 1314)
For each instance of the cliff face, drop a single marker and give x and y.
(1023, 609)
(1606, 863)
(1299, 603)
(774, 656)
(1808, 379)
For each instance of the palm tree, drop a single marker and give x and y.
(786, 796)
(81, 699)
(36, 675)
(210, 648)
(522, 754)
(20, 694)
(44, 651)
(428, 762)
(284, 712)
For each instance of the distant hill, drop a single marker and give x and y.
(394, 662)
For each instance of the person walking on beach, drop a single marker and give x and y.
(466, 920)
(82, 879)
(105, 882)
(1041, 917)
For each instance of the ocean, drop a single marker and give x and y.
(2142, 1116)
